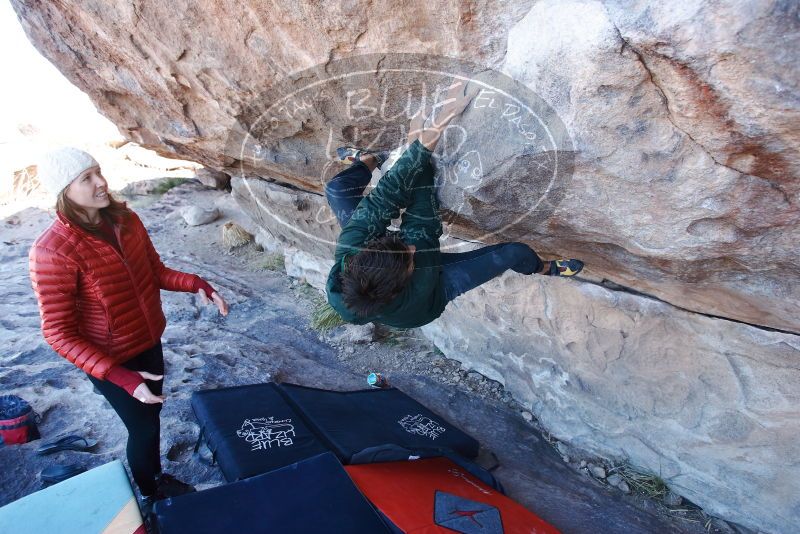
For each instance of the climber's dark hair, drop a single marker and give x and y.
(376, 275)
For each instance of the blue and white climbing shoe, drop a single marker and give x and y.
(349, 154)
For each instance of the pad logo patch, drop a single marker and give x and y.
(265, 432)
(422, 426)
(465, 515)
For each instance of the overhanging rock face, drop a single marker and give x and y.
(678, 128)
(708, 404)
(682, 119)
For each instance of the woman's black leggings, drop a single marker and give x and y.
(141, 420)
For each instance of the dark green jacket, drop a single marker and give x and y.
(408, 184)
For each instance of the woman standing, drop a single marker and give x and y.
(97, 279)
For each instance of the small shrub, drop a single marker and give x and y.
(234, 235)
(308, 290)
(647, 483)
(275, 262)
(168, 184)
(394, 336)
(324, 317)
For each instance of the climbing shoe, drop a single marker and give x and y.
(349, 154)
(565, 267)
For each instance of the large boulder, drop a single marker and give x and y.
(707, 404)
(681, 119)
(668, 163)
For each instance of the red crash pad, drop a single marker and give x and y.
(435, 495)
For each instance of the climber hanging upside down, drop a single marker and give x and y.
(401, 279)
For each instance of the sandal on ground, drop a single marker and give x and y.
(67, 443)
(349, 154)
(565, 267)
(58, 473)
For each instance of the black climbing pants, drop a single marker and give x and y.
(142, 420)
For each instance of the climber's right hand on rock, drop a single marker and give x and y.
(459, 95)
(458, 98)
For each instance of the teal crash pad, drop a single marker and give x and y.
(97, 501)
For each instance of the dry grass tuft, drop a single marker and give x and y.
(234, 236)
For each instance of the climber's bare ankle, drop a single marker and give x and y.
(369, 161)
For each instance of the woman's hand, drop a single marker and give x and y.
(143, 394)
(217, 298)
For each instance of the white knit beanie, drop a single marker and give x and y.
(59, 167)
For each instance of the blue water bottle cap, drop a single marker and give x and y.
(372, 379)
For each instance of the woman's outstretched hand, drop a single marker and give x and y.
(143, 394)
(217, 298)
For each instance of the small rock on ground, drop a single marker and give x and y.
(614, 479)
(527, 416)
(353, 333)
(672, 499)
(597, 471)
(196, 216)
(213, 178)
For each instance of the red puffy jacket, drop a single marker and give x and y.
(100, 308)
